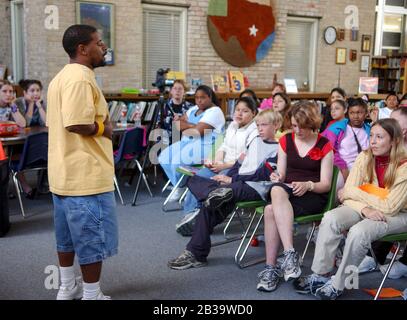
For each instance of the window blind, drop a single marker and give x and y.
(297, 56)
(161, 43)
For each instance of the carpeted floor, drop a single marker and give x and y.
(147, 241)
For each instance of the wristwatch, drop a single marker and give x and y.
(13, 108)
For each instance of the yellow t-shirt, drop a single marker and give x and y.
(77, 165)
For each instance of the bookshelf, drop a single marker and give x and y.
(227, 100)
(391, 71)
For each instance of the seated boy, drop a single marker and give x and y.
(220, 193)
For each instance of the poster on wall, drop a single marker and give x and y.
(101, 16)
(242, 32)
(368, 85)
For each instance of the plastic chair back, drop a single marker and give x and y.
(131, 145)
(35, 152)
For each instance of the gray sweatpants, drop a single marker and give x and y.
(362, 232)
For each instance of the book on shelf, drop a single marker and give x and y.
(150, 111)
(220, 83)
(231, 108)
(236, 81)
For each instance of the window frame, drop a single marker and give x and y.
(17, 41)
(183, 11)
(381, 10)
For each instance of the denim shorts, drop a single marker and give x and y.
(87, 226)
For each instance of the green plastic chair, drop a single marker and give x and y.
(397, 238)
(313, 218)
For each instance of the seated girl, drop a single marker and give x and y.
(391, 103)
(250, 93)
(8, 110)
(31, 105)
(302, 184)
(238, 136)
(176, 105)
(282, 104)
(200, 126)
(222, 192)
(338, 112)
(336, 94)
(349, 137)
(268, 103)
(380, 248)
(374, 205)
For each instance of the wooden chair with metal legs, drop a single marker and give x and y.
(315, 218)
(398, 239)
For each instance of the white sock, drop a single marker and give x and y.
(67, 277)
(91, 290)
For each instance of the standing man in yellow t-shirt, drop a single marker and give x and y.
(80, 166)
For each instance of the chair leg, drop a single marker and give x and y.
(118, 189)
(239, 256)
(155, 175)
(227, 239)
(387, 271)
(314, 225)
(166, 186)
(183, 196)
(17, 186)
(171, 193)
(144, 178)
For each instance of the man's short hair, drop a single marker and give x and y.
(75, 35)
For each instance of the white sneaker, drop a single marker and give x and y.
(368, 264)
(100, 296)
(75, 293)
(397, 271)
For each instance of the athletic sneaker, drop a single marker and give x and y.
(269, 279)
(397, 271)
(328, 292)
(310, 283)
(185, 261)
(186, 225)
(100, 296)
(218, 197)
(368, 264)
(291, 265)
(74, 293)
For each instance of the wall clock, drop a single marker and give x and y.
(330, 35)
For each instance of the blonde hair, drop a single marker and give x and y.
(273, 117)
(306, 115)
(398, 152)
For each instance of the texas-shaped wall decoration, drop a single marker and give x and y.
(242, 32)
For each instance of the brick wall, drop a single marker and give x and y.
(5, 34)
(45, 56)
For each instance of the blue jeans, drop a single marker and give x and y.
(184, 152)
(86, 225)
(191, 203)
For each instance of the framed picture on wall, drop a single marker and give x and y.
(366, 40)
(101, 16)
(340, 55)
(364, 63)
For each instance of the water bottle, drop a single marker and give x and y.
(137, 115)
(123, 117)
